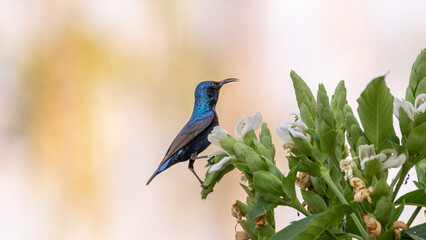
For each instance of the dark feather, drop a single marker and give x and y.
(188, 132)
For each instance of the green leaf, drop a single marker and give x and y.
(328, 142)
(240, 150)
(302, 145)
(288, 183)
(313, 226)
(250, 229)
(315, 202)
(266, 139)
(405, 123)
(418, 231)
(380, 189)
(416, 198)
(375, 112)
(243, 207)
(338, 100)
(262, 207)
(213, 178)
(305, 165)
(384, 210)
(319, 186)
(247, 190)
(273, 169)
(228, 144)
(323, 108)
(255, 162)
(245, 170)
(267, 182)
(407, 236)
(418, 73)
(416, 141)
(304, 96)
(372, 168)
(306, 116)
(421, 172)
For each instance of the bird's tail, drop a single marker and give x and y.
(160, 168)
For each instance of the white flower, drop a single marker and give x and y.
(252, 123)
(216, 135)
(367, 153)
(222, 163)
(296, 129)
(409, 109)
(394, 160)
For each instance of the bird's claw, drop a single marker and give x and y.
(202, 185)
(210, 160)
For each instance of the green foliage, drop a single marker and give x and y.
(418, 231)
(417, 84)
(416, 141)
(312, 226)
(337, 207)
(375, 112)
(416, 198)
(305, 100)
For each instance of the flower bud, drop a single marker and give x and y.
(363, 194)
(397, 226)
(236, 211)
(267, 183)
(303, 180)
(373, 226)
(241, 235)
(216, 135)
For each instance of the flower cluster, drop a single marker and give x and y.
(339, 163)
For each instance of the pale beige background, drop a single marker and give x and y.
(92, 93)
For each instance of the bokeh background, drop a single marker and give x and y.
(92, 93)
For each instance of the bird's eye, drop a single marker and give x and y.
(214, 85)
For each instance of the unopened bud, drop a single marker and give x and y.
(236, 211)
(303, 180)
(373, 226)
(241, 235)
(363, 194)
(397, 226)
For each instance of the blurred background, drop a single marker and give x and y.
(93, 92)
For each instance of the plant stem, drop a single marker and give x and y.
(404, 171)
(326, 176)
(413, 216)
(353, 236)
(394, 182)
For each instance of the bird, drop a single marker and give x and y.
(192, 139)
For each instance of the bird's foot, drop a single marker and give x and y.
(210, 160)
(202, 185)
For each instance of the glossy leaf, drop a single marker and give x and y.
(416, 141)
(312, 226)
(375, 112)
(304, 97)
(418, 231)
(315, 202)
(418, 73)
(417, 198)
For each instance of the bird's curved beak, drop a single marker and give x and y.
(228, 80)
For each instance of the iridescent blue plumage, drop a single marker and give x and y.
(192, 139)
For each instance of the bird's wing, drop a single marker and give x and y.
(189, 132)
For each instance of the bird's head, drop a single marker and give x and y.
(208, 91)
